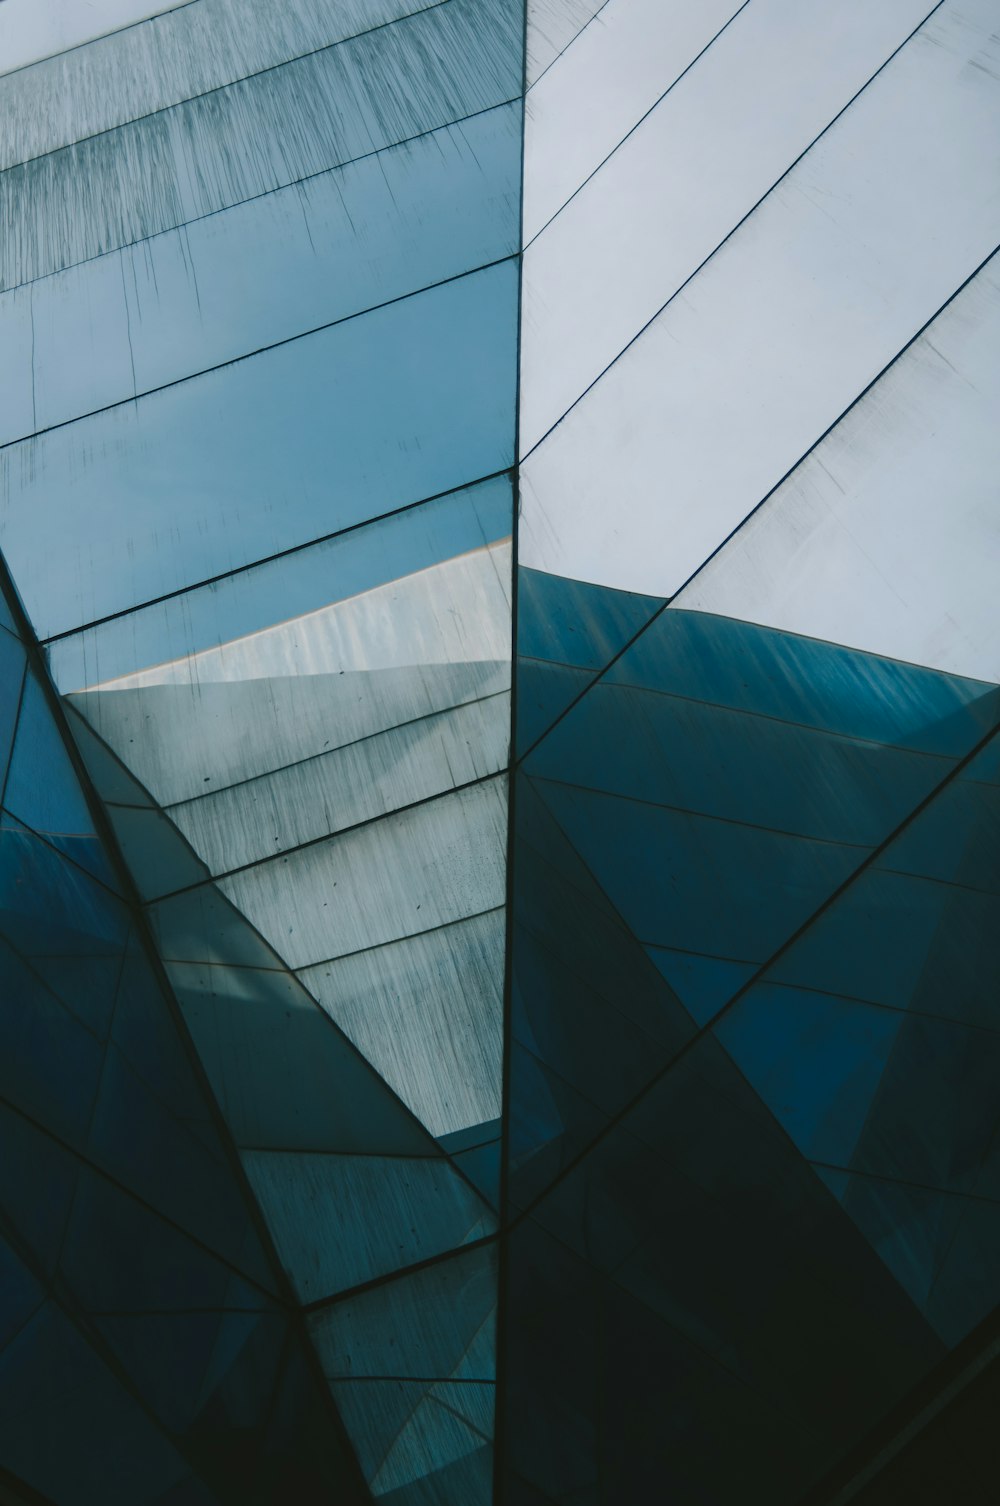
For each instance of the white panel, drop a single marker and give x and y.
(427, 1013)
(552, 25)
(456, 611)
(616, 70)
(358, 783)
(823, 285)
(887, 537)
(33, 29)
(179, 740)
(406, 873)
(687, 175)
(339, 1221)
(193, 50)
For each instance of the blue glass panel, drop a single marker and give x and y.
(543, 693)
(43, 790)
(283, 1073)
(550, 1123)
(11, 675)
(481, 1165)
(735, 765)
(572, 622)
(20, 1294)
(301, 582)
(757, 669)
(51, 1447)
(682, 880)
(956, 840)
(159, 859)
(37, 1183)
(905, 942)
(815, 1060)
(319, 434)
(50, 1063)
(120, 1257)
(986, 764)
(703, 984)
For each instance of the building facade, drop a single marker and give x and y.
(499, 714)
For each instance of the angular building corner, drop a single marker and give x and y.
(499, 717)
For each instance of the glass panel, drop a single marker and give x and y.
(29, 31)
(305, 117)
(146, 68)
(339, 1221)
(362, 403)
(725, 394)
(252, 276)
(351, 564)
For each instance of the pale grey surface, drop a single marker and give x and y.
(614, 72)
(694, 167)
(864, 241)
(427, 1012)
(552, 26)
(887, 538)
(405, 873)
(34, 29)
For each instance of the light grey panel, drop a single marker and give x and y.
(188, 51)
(427, 1012)
(180, 740)
(262, 272)
(616, 70)
(336, 790)
(552, 26)
(339, 1221)
(405, 873)
(34, 29)
(437, 1323)
(305, 117)
(887, 538)
(694, 167)
(868, 236)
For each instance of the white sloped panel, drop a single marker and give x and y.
(327, 794)
(616, 70)
(437, 862)
(690, 172)
(864, 241)
(427, 1012)
(887, 537)
(552, 26)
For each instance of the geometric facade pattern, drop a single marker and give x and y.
(499, 749)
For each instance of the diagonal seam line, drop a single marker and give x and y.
(729, 235)
(250, 355)
(642, 118)
(562, 51)
(232, 83)
(322, 1303)
(760, 974)
(672, 600)
(269, 559)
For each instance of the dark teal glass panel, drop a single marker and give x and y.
(770, 673)
(316, 435)
(11, 677)
(567, 630)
